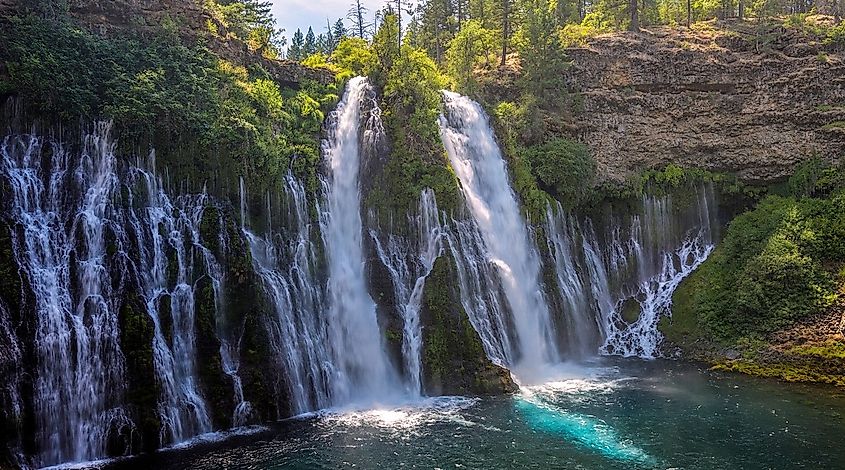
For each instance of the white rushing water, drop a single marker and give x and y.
(481, 292)
(636, 267)
(297, 330)
(665, 248)
(580, 320)
(478, 163)
(362, 373)
(408, 273)
(90, 239)
(64, 212)
(160, 227)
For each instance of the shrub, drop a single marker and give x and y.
(777, 263)
(564, 167)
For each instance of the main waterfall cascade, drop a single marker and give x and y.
(478, 163)
(362, 371)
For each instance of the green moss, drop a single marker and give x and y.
(631, 310)
(829, 349)
(783, 371)
(454, 361)
(682, 328)
(776, 265)
(834, 125)
(10, 274)
(215, 386)
(437, 304)
(411, 84)
(393, 336)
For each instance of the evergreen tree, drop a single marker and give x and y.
(310, 46)
(338, 32)
(322, 44)
(297, 44)
(506, 31)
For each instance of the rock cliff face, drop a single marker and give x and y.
(740, 99)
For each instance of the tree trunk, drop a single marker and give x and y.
(689, 12)
(360, 19)
(741, 9)
(635, 16)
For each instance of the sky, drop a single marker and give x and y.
(292, 14)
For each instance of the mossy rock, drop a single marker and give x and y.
(137, 332)
(215, 384)
(11, 286)
(631, 310)
(454, 361)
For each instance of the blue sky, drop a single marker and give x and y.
(292, 14)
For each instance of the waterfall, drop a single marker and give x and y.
(161, 228)
(65, 213)
(479, 165)
(297, 330)
(481, 290)
(637, 262)
(665, 251)
(362, 369)
(409, 278)
(562, 238)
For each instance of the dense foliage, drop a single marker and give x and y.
(563, 167)
(209, 119)
(781, 262)
(248, 20)
(410, 82)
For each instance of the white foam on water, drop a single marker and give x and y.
(401, 416)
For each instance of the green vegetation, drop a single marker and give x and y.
(783, 371)
(829, 33)
(247, 20)
(564, 168)
(302, 47)
(208, 119)
(777, 264)
(136, 340)
(409, 83)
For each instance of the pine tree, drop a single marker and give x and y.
(338, 32)
(297, 43)
(322, 44)
(310, 46)
(506, 32)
